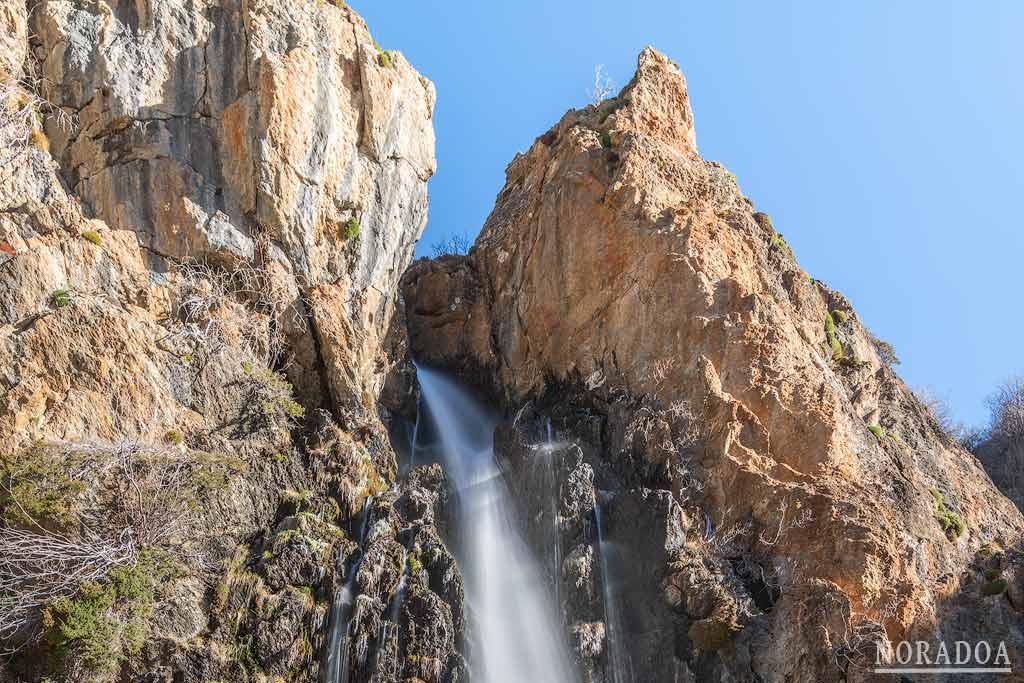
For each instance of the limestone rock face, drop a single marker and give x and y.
(269, 131)
(197, 286)
(271, 135)
(1003, 459)
(626, 284)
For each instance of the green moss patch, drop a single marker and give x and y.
(833, 339)
(952, 523)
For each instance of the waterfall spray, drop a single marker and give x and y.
(519, 635)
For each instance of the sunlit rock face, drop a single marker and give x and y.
(202, 271)
(231, 131)
(626, 287)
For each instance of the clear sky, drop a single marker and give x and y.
(884, 138)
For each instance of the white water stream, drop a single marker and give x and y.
(518, 633)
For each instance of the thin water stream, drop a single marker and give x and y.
(338, 643)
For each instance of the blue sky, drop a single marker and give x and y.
(884, 138)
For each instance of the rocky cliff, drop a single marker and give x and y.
(204, 212)
(778, 502)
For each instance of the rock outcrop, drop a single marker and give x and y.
(204, 212)
(789, 501)
(1003, 459)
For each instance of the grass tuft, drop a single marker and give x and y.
(38, 139)
(351, 228)
(60, 298)
(833, 339)
(952, 523)
(174, 438)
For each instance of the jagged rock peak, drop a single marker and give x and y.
(656, 103)
(627, 284)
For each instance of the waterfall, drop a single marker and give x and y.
(520, 638)
(551, 491)
(415, 441)
(619, 662)
(341, 609)
(389, 624)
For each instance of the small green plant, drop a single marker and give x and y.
(92, 236)
(174, 438)
(38, 479)
(992, 574)
(297, 497)
(884, 350)
(271, 395)
(833, 339)
(384, 57)
(778, 241)
(841, 317)
(351, 228)
(415, 562)
(106, 621)
(878, 431)
(951, 522)
(606, 140)
(60, 298)
(996, 587)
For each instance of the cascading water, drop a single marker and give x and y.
(519, 635)
(389, 625)
(341, 610)
(619, 661)
(549, 451)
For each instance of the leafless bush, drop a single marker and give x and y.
(803, 517)
(595, 380)
(204, 289)
(662, 368)
(38, 565)
(1006, 407)
(858, 647)
(603, 86)
(642, 424)
(152, 494)
(22, 112)
(954, 430)
(131, 497)
(456, 245)
(723, 538)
